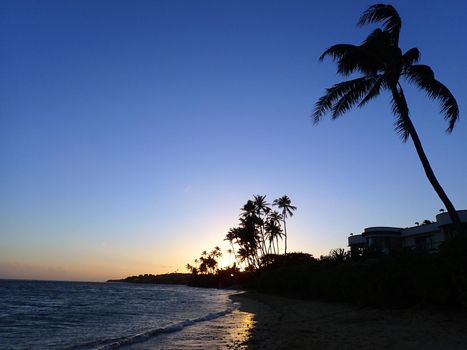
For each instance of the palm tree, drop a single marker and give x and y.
(274, 230)
(233, 237)
(230, 252)
(216, 254)
(382, 64)
(249, 209)
(284, 203)
(262, 209)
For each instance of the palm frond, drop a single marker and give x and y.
(386, 14)
(290, 209)
(338, 51)
(346, 56)
(351, 58)
(380, 46)
(416, 72)
(326, 102)
(359, 90)
(373, 92)
(400, 109)
(377, 38)
(424, 78)
(333, 95)
(411, 56)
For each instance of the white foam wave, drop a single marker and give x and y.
(176, 327)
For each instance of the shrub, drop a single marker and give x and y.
(405, 279)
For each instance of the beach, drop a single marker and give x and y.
(284, 323)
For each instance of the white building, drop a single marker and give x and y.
(427, 237)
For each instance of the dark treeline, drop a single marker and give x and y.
(401, 279)
(168, 278)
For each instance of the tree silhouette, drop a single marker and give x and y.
(233, 236)
(262, 210)
(382, 64)
(284, 203)
(260, 227)
(274, 230)
(207, 263)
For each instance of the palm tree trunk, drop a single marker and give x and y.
(285, 238)
(234, 254)
(399, 98)
(262, 245)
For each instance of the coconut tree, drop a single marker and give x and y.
(273, 230)
(285, 204)
(233, 237)
(247, 237)
(261, 205)
(230, 252)
(248, 209)
(262, 209)
(216, 254)
(382, 65)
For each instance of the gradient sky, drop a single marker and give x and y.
(131, 132)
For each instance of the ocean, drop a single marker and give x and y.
(79, 316)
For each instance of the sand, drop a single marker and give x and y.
(282, 323)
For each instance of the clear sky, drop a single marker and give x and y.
(131, 132)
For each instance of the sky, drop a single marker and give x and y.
(131, 132)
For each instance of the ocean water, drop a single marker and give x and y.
(75, 315)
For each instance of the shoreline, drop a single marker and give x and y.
(285, 323)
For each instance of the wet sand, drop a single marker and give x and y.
(229, 332)
(282, 323)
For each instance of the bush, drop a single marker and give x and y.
(405, 279)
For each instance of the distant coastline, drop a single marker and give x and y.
(168, 278)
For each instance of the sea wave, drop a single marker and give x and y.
(176, 327)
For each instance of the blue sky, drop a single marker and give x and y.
(132, 132)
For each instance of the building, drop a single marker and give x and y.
(427, 236)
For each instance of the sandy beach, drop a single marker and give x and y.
(282, 323)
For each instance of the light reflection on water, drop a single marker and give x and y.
(231, 331)
(239, 333)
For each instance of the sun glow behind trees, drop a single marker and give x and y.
(255, 242)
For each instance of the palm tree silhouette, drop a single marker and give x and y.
(274, 230)
(284, 203)
(382, 63)
(262, 209)
(233, 237)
